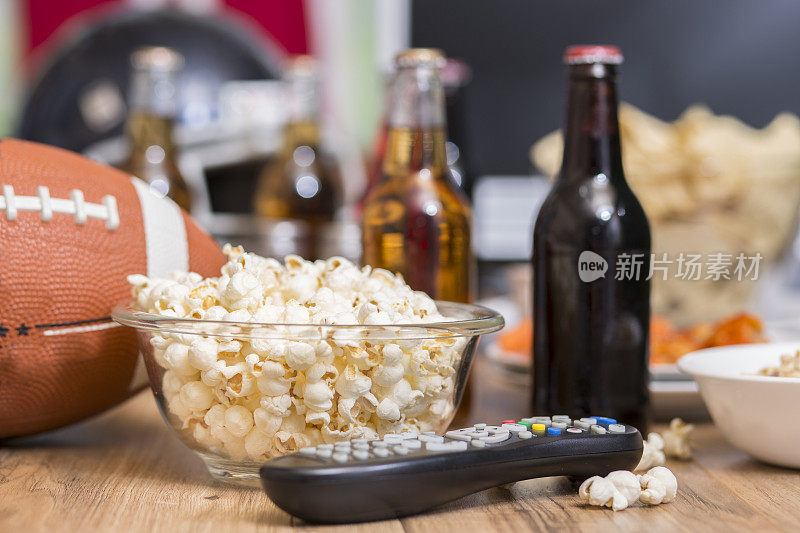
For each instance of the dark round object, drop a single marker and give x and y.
(77, 99)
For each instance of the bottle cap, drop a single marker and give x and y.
(420, 57)
(301, 66)
(156, 58)
(587, 54)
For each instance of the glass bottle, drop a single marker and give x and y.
(151, 119)
(591, 311)
(303, 183)
(416, 221)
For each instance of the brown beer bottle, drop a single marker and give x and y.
(303, 183)
(150, 122)
(591, 302)
(415, 220)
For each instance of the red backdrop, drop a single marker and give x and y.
(282, 19)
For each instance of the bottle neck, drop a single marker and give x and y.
(301, 133)
(153, 107)
(591, 131)
(416, 120)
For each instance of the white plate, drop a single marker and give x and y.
(757, 414)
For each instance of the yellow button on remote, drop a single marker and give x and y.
(538, 428)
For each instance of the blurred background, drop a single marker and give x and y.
(710, 137)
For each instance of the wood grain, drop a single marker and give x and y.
(125, 471)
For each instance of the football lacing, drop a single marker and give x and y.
(75, 205)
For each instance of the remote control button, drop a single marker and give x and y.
(616, 428)
(308, 451)
(560, 425)
(324, 454)
(409, 435)
(341, 445)
(359, 441)
(514, 428)
(412, 444)
(480, 427)
(360, 455)
(589, 420)
(600, 430)
(361, 446)
(541, 420)
(394, 439)
(538, 428)
(507, 422)
(431, 438)
(458, 435)
(561, 417)
(554, 431)
(455, 446)
(381, 452)
(525, 434)
(400, 450)
(429, 433)
(341, 457)
(498, 437)
(478, 443)
(328, 447)
(580, 424)
(604, 421)
(379, 444)
(526, 423)
(574, 430)
(478, 434)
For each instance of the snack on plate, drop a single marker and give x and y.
(788, 368)
(255, 398)
(668, 343)
(709, 184)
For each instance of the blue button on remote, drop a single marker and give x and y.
(553, 431)
(604, 421)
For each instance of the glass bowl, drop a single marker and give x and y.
(266, 392)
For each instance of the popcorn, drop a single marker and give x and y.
(196, 396)
(622, 488)
(274, 389)
(659, 485)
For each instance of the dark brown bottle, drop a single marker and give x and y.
(591, 310)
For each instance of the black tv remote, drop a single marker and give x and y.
(404, 474)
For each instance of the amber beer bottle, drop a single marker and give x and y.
(591, 307)
(151, 119)
(303, 183)
(416, 221)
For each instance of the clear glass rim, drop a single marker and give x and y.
(479, 320)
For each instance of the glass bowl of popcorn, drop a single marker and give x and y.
(271, 357)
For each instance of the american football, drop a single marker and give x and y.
(71, 230)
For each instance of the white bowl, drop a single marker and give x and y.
(757, 414)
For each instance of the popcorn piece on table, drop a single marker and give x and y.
(659, 485)
(677, 439)
(652, 453)
(617, 490)
(620, 489)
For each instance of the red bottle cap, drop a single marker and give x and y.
(595, 53)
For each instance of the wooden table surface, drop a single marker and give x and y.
(125, 471)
